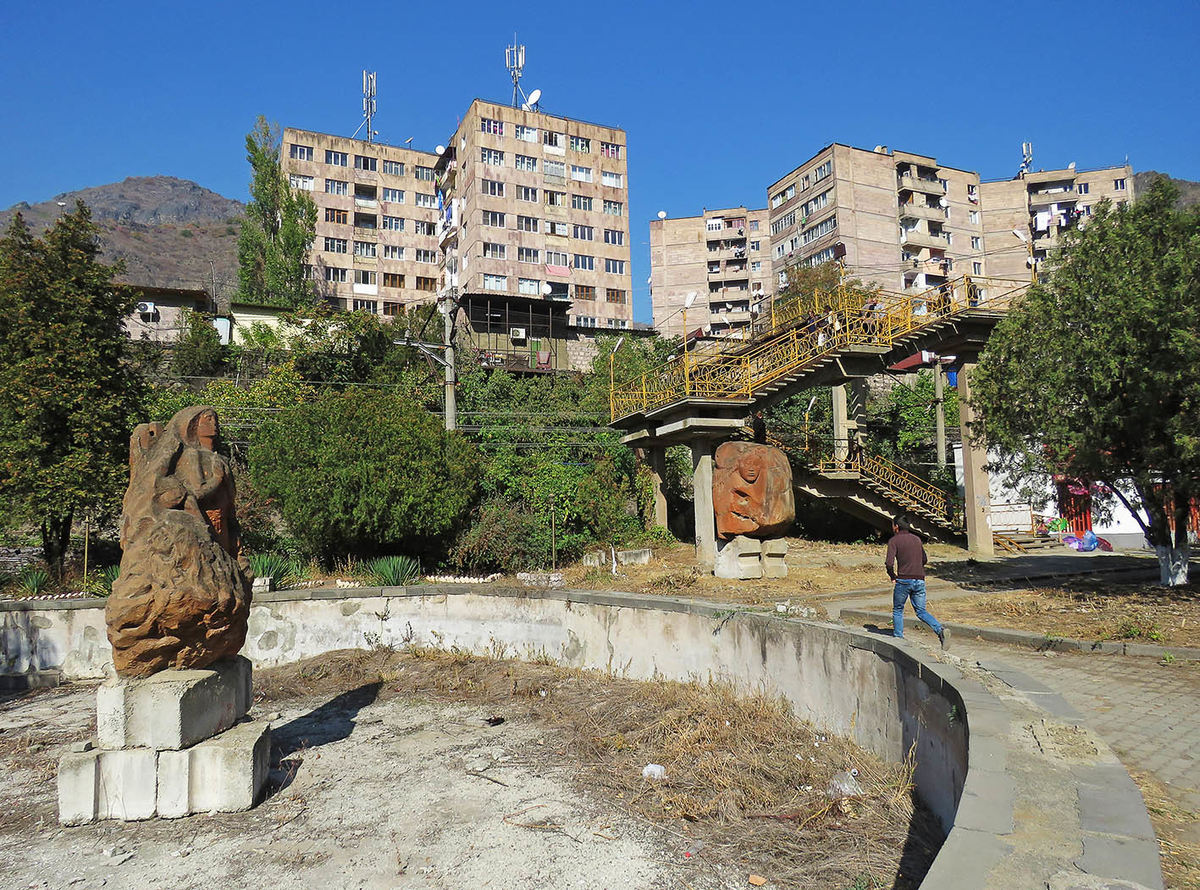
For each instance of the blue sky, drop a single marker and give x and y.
(718, 98)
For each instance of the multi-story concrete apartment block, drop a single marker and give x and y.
(1041, 206)
(721, 257)
(536, 207)
(376, 245)
(897, 219)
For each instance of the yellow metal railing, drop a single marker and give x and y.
(903, 487)
(791, 344)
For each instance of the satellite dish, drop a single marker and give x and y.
(441, 149)
(546, 288)
(525, 106)
(942, 202)
(662, 214)
(534, 96)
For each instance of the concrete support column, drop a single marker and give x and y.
(977, 503)
(849, 415)
(702, 491)
(658, 469)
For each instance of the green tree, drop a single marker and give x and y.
(1096, 373)
(276, 232)
(67, 389)
(364, 471)
(198, 352)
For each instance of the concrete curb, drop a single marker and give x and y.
(1041, 642)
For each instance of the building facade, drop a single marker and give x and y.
(722, 257)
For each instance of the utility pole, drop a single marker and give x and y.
(447, 305)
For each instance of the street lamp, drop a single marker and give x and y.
(611, 381)
(1028, 242)
(687, 304)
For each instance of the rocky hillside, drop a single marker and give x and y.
(1189, 192)
(169, 232)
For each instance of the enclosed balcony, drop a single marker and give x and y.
(922, 185)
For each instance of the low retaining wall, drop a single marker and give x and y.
(873, 689)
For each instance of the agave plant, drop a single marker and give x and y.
(100, 582)
(394, 571)
(281, 569)
(32, 581)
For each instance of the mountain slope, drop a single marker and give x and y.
(1189, 192)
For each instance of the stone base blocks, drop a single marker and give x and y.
(170, 745)
(743, 558)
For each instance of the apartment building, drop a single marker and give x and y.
(376, 244)
(536, 209)
(897, 219)
(1041, 206)
(722, 257)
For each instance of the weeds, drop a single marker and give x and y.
(32, 581)
(394, 571)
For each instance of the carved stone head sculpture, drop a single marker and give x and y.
(183, 596)
(752, 491)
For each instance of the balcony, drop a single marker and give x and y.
(369, 203)
(918, 210)
(917, 238)
(554, 179)
(1045, 199)
(726, 235)
(366, 262)
(365, 232)
(924, 186)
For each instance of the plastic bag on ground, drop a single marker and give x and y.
(843, 785)
(654, 771)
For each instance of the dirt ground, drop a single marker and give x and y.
(1088, 610)
(387, 774)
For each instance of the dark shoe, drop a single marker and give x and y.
(942, 637)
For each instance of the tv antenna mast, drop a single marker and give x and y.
(514, 61)
(1026, 157)
(368, 105)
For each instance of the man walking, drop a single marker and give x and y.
(905, 564)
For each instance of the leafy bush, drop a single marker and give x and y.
(364, 471)
(280, 568)
(198, 351)
(32, 581)
(394, 571)
(503, 536)
(100, 582)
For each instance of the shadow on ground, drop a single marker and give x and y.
(1029, 571)
(331, 722)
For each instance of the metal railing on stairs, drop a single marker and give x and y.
(790, 343)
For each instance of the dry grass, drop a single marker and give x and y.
(1089, 610)
(1179, 853)
(745, 778)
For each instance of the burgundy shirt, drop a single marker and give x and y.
(908, 553)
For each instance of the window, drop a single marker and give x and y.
(495, 282)
(337, 158)
(393, 279)
(581, 202)
(527, 193)
(429, 284)
(821, 256)
(366, 193)
(493, 218)
(527, 224)
(423, 227)
(557, 228)
(393, 168)
(492, 156)
(973, 217)
(587, 263)
(425, 200)
(393, 252)
(493, 251)
(394, 308)
(528, 255)
(585, 291)
(612, 295)
(555, 199)
(581, 144)
(425, 174)
(525, 162)
(550, 139)
(337, 187)
(780, 250)
(756, 245)
(552, 169)
(396, 196)
(615, 267)
(976, 243)
(530, 286)
(756, 266)
(364, 248)
(555, 258)
(610, 150)
(614, 236)
(366, 221)
(491, 187)
(583, 233)
(780, 198)
(364, 276)
(492, 127)
(581, 174)
(371, 306)
(301, 152)
(976, 268)
(426, 256)
(393, 223)
(614, 208)
(361, 162)
(585, 321)
(333, 215)
(822, 171)
(335, 245)
(614, 180)
(753, 225)
(332, 273)
(812, 205)
(784, 222)
(304, 183)
(1119, 185)
(525, 134)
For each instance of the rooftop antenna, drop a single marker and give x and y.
(514, 61)
(368, 105)
(1026, 158)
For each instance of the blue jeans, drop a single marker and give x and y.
(915, 588)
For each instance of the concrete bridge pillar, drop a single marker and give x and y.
(849, 415)
(658, 469)
(702, 491)
(977, 504)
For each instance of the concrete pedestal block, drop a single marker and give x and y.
(774, 550)
(173, 709)
(739, 559)
(107, 785)
(224, 774)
